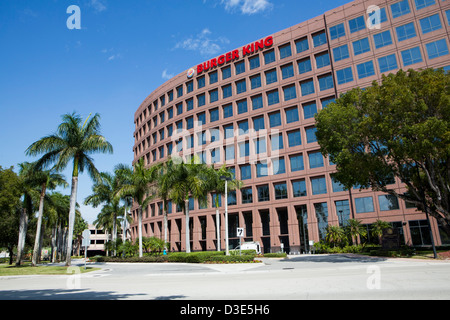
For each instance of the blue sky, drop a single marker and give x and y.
(123, 51)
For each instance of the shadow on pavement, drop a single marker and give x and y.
(52, 294)
(333, 258)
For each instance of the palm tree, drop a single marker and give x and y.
(74, 141)
(190, 179)
(28, 186)
(137, 185)
(335, 234)
(49, 180)
(218, 187)
(355, 229)
(378, 227)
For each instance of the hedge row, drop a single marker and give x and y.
(192, 257)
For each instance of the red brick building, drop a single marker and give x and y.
(253, 109)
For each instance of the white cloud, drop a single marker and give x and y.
(203, 43)
(166, 76)
(98, 5)
(248, 7)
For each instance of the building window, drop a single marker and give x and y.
(269, 56)
(271, 76)
(337, 31)
(227, 111)
(213, 96)
(307, 87)
(400, 8)
(287, 71)
(411, 56)
(228, 131)
(382, 39)
(292, 115)
(247, 195)
(318, 185)
(344, 75)
(214, 115)
(357, 24)
(420, 4)
(304, 65)
(241, 86)
(302, 45)
(257, 102)
(387, 63)
(285, 51)
(258, 123)
(377, 16)
(326, 82)
(275, 119)
(246, 172)
(309, 110)
(388, 202)
(244, 149)
(273, 97)
(243, 127)
(190, 86)
(226, 72)
(437, 48)
(315, 160)
(289, 93)
(311, 135)
(341, 53)
(365, 69)
(213, 78)
(255, 81)
(226, 91)
(405, 32)
(261, 170)
(276, 141)
(278, 166)
(299, 188)
(254, 62)
(201, 101)
(336, 185)
(361, 46)
(240, 67)
(364, 204)
(430, 23)
(322, 60)
(242, 106)
(294, 138)
(179, 91)
(229, 153)
(319, 39)
(260, 145)
(263, 193)
(296, 163)
(201, 82)
(280, 191)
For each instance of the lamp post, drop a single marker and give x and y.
(227, 251)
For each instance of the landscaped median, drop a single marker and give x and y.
(246, 256)
(27, 270)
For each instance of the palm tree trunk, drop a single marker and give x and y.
(218, 228)
(23, 225)
(140, 230)
(165, 228)
(39, 227)
(188, 241)
(73, 200)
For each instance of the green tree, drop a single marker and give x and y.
(136, 184)
(335, 235)
(355, 229)
(74, 141)
(191, 179)
(218, 188)
(10, 204)
(48, 180)
(396, 128)
(378, 227)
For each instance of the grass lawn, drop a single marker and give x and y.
(27, 269)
